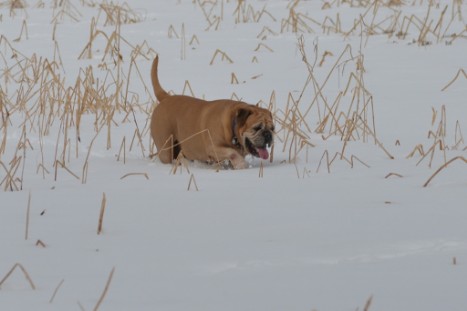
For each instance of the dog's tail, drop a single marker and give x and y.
(158, 90)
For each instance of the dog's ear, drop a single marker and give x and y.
(242, 115)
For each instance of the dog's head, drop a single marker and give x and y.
(255, 130)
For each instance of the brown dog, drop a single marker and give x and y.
(208, 131)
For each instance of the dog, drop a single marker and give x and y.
(208, 131)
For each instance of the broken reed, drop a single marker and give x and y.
(350, 115)
(438, 135)
(118, 14)
(28, 212)
(243, 12)
(17, 266)
(435, 25)
(353, 159)
(101, 214)
(444, 166)
(106, 289)
(56, 291)
(42, 96)
(191, 182)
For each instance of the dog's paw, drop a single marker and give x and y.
(239, 164)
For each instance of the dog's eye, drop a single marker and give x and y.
(257, 128)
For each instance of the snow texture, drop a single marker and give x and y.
(339, 220)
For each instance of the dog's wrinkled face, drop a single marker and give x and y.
(256, 131)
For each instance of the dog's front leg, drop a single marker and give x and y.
(232, 155)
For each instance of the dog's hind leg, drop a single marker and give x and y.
(168, 151)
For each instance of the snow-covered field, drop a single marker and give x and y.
(364, 206)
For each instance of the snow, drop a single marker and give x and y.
(286, 235)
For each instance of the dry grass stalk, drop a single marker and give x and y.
(458, 137)
(40, 243)
(87, 51)
(118, 14)
(62, 165)
(393, 174)
(428, 28)
(368, 304)
(101, 214)
(354, 158)
(84, 176)
(265, 32)
(106, 289)
(235, 96)
(223, 56)
(43, 97)
(419, 149)
(438, 137)
(353, 121)
(339, 155)
(181, 162)
(431, 152)
(377, 142)
(25, 273)
(187, 86)
(262, 46)
(261, 170)
(23, 143)
(10, 181)
(194, 40)
(323, 58)
(80, 306)
(297, 171)
(24, 29)
(183, 43)
(112, 55)
(246, 13)
(424, 29)
(216, 23)
(442, 167)
(431, 26)
(395, 3)
(145, 175)
(328, 162)
(137, 133)
(56, 291)
(459, 73)
(17, 4)
(122, 149)
(256, 76)
(192, 181)
(65, 9)
(212, 16)
(297, 22)
(28, 212)
(233, 79)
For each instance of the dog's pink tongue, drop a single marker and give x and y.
(263, 153)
